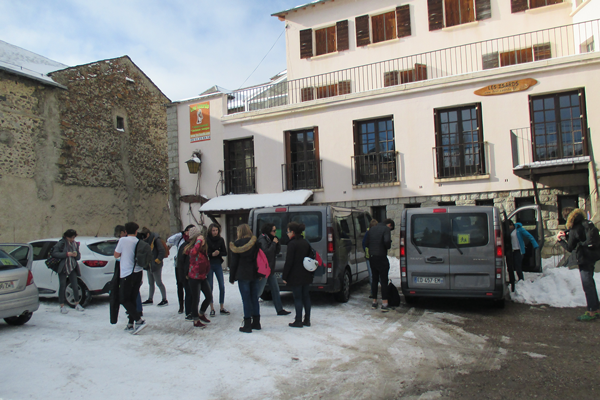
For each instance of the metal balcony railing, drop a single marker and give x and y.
(375, 168)
(302, 175)
(561, 41)
(460, 160)
(239, 181)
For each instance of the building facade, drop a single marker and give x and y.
(394, 104)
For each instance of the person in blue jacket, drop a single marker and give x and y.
(518, 234)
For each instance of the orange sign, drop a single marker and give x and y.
(199, 122)
(506, 87)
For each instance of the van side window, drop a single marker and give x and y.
(277, 219)
(313, 222)
(470, 230)
(429, 230)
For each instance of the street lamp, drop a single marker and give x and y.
(193, 163)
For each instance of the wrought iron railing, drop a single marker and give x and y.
(460, 160)
(239, 181)
(302, 175)
(375, 168)
(561, 41)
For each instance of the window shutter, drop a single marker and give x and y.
(542, 51)
(420, 72)
(390, 26)
(452, 12)
(403, 21)
(307, 94)
(344, 87)
(490, 60)
(537, 3)
(436, 16)
(306, 46)
(343, 42)
(390, 78)
(467, 13)
(554, 1)
(317, 156)
(362, 30)
(518, 6)
(484, 9)
(321, 41)
(331, 42)
(377, 24)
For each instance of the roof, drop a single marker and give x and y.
(23, 62)
(302, 7)
(232, 202)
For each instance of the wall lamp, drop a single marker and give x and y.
(193, 163)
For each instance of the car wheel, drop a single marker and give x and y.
(344, 294)
(20, 320)
(84, 294)
(411, 299)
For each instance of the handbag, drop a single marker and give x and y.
(262, 263)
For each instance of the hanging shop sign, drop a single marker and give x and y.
(506, 87)
(199, 122)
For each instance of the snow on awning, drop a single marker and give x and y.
(232, 202)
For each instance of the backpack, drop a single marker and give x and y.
(199, 266)
(393, 295)
(164, 244)
(592, 236)
(53, 262)
(262, 263)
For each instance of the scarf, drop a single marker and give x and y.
(70, 262)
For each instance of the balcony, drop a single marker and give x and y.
(302, 175)
(239, 181)
(460, 161)
(377, 169)
(562, 41)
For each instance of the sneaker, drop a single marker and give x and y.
(129, 328)
(64, 310)
(163, 303)
(212, 313)
(138, 326)
(79, 308)
(283, 312)
(204, 319)
(385, 308)
(374, 306)
(149, 301)
(189, 317)
(589, 316)
(224, 312)
(198, 324)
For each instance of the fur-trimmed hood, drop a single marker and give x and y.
(576, 217)
(243, 248)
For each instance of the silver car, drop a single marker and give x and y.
(19, 296)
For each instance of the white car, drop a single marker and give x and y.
(18, 294)
(97, 266)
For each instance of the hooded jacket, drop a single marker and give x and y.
(158, 251)
(579, 254)
(522, 232)
(242, 264)
(380, 240)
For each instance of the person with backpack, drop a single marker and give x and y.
(154, 271)
(180, 240)
(199, 267)
(518, 235)
(67, 250)
(583, 242)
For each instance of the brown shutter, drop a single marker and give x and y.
(436, 16)
(343, 42)
(467, 13)
(307, 94)
(507, 58)
(518, 6)
(327, 91)
(331, 42)
(378, 25)
(490, 60)
(344, 87)
(321, 41)
(390, 78)
(390, 25)
(317, 156)
(420, 72)
(306, 47)
(524, 55)
(407, 76)
(403, 21)
(362, 30)
(542, 51)
(484, 9)
(452, 12)
(537, 3)
(554, 1)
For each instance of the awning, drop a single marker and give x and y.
(233, 202)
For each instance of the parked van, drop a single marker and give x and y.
(458, 251)
(336, 233)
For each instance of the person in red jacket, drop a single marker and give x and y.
(199, 268)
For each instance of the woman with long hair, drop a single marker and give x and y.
(243, 269)
(216, 251)
(269, 244)
(67, 249)
(295, 275)
(197, 249)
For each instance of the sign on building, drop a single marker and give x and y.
(199, 122)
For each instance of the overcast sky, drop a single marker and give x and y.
(185, 47)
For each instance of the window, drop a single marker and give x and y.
(412, 205)
(240, 171)
(446, 203)
(447, 13)
(459, 141)
(484, 202)
(527, 218)
(393, 78)
(450, 230)
(303, 167)
(328, 40)
(374, 151)
(385, 26)
(542, 51)
(120, 123)
(588, 46)
(313, 222)
(564, 202)
(379, 213)
(522, 5)
(343, 87)
(558, 125)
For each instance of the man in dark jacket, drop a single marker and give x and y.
(581, 256)
(380, 241)
(154, 270)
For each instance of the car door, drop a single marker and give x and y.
(22, 252)
(346, 242)
(45, 279)
(361, 225)
(530, 217)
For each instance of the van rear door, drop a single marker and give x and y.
(530, 217)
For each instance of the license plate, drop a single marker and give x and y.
(8, 285)
(429, 280)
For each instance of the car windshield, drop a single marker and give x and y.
(106, 248)
(7, 262)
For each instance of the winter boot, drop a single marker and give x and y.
(256, 322)
(306, 321)
(247, 328)
(296, 324)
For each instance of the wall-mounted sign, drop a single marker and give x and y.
(199, 122)
(506, 87)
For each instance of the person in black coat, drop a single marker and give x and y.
(295, 275)
(582, 257)
(67, 249)
(379, 242)
(269, 244)
(216, 251)
(243, 269)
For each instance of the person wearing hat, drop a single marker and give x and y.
(380, 241)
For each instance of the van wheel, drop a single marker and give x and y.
(266, 295)
(411, 299)
(499, 304)
(344, 294)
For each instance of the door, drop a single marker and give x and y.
(531, 218)
(427, 264)
(23, 253)
(361, 225)
(346, 242)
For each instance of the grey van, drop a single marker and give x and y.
(458, 251)
(336, 233)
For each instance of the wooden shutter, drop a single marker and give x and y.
(483, 9)
(390, 25)
(331, 42)
(378, 25)
(344, 87)
(390, 78)
(490, 60)
(403, 21)
(321, 41)
(306, 46)
(524, 55)
(452, 12)
(420, 72)
(317, 156)
(327, 91)
(362, 30)
(467, 13)
(307, 94)
(537, 3)
(542, 51)
(554, 1)
(518, 6)
(436, 15)
(343, 42)
(407, 76)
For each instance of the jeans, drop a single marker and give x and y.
(274, 286)
(589, 286)
(195, 286)
(518, 264)
(249, 293)
(62, 278)
(129, 290)
(155, 276)
(217, 269)
(380, 267)
(301, 299)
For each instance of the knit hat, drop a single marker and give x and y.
(194, 231)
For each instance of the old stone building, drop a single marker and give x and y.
(82, 147)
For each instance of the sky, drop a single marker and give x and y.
(185, 47)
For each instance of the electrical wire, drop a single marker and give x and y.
(276, 40)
